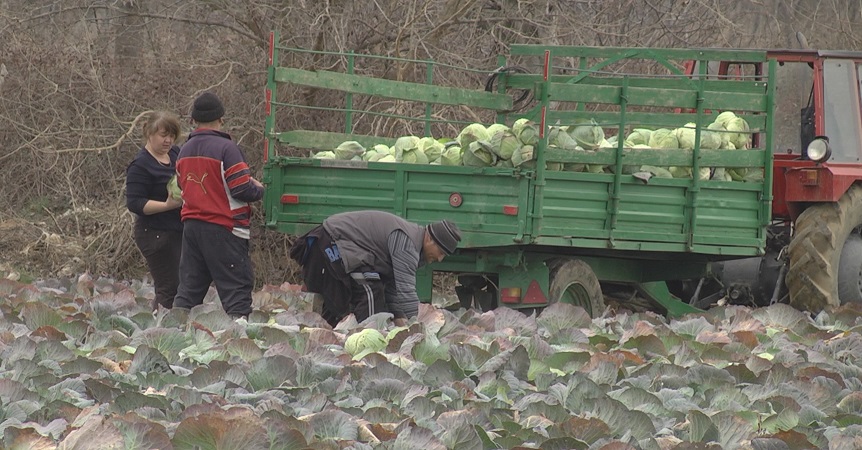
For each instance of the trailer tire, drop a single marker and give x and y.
(815, 253)
(574, 282)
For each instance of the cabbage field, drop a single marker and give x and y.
(85, 365)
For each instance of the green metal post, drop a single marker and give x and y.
(541, 162)
(766, 201)
(618, 165)
(269, 125)
(429, 107)
(348, 98)
(694, 189)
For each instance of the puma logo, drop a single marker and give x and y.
(194, 179)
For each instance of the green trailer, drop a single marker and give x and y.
(534, 236)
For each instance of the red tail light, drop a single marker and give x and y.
(289, 199)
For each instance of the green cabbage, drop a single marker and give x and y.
(324, 155)
(479, 154)
(721, 174)
(376, 152)
(587, 134)
(725, 117)
(387, 158)
(431, 148)
(721, 132)
(364, 342)
(558, 137)
(472, 133)
(451, 155)
(496, 128)
(527, 131)
(407, 151)
(348, 150)
(504, 144)
(174, 189)
(523, 157)
(688, 133)
(658, 172)
(739, 132)
(663, 138)
(685, 172)
(639, 136)
(555, 166)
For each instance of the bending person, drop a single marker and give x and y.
(365, 262)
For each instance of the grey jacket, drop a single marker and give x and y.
(362, 238)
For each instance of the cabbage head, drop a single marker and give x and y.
(725, 117)
(523, 157)
(719, 129)
(405, 143)
(686, 135)
(376, 156)
(364, 342)
(472, 133)
(414, 156)
(527, 131)
(558, 137)
(505, 163)
(479, 154)
(324, 155)
(431, 148)
(387, 158)
(376, 152)
(663, 138)
(407, 151)
(495, 128)
(639, 136)
(658, 172)
(721, 174)
(685, 172)
(504, 144)
(349, 149)
(574, 167)
(555, 166)
(739, 132)
(588, 135)
(451, 156)
(174, 189)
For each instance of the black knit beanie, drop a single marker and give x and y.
(446, 234)
(207, 108)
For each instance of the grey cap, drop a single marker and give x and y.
(446, 235)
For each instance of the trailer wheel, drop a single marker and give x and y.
(574, 282)
(816, 278)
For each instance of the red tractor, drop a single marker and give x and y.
(814, 250)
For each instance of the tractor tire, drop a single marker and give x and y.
(850, 270)
(814, 275)
(574, 282)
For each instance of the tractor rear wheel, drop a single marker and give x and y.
(815, 277)
(574, 282)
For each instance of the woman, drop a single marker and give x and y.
(158, 231)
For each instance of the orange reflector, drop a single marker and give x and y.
(290, 199)
(510, 295)
(809, 177)
(510, 210)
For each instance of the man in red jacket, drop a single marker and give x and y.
(217, 188)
